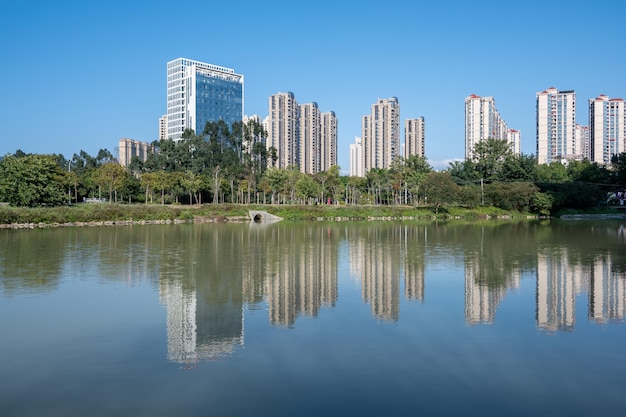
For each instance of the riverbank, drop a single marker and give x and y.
(103, 214)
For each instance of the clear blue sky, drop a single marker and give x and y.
(80, 75)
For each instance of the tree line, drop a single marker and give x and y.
(231, 164)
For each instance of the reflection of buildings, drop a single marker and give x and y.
(379, 257)
(202, 289)
(199, 328)
(381, 282)
(303, 276)
(413, 242)
(482, 294)
(557, 286)
(376, 259)
(560, 280)
(607, 292)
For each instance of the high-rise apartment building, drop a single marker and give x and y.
(251, 137)
(328, 148)
(583, 141)
(356, 158)
(483, 121)
(282, 129)
(301, 134)
(607, 128)
(310, 138)
(129, 148)
(414, 137)
(556, 125)
(163, 127)
(513, 137)
(381, 134)
(198, 93)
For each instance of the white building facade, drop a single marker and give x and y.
(556, 125)
(583, 141)
(328, 144)
(381, 134)
(301, 134)
(198, 93)
(483, 121)
(282, 129)
(514, 138)
(607, 128)
(414, 137)
(310, 138)
(356, 158)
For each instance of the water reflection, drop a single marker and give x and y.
(208, 275)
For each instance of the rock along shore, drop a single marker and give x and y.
(197, 219)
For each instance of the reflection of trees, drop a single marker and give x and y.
(494, 255)
(207, 273)
(31, 260)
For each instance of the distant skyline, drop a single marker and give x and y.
(81, 75)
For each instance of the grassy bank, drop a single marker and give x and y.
(218, 212)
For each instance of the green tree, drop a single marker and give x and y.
(276, 180)
(541, 203)
(511, 196)
(356, 186)
(111, 177)
(464, 172)
(439, 189)
(519, 168)
(489, 157)
(192, 184)
(415, 169)
(618, 163)
(587, 171)
(307, 188)
(554, 172)
(32, 180)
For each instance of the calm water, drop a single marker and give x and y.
(314, 319)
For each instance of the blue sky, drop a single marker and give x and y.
(80, 75)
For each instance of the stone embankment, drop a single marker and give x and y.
(617, 216)
(197, 219)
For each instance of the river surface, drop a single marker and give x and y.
(314, 319)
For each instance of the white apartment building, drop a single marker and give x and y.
(301, 134)
(483, 121)
(310, 138)
(283, 130)
(198, 93)
(381, 134)
(607, 128)
(328, 148)
(251, 137)
(514, 138)
(556, 125)
(356, 158)
(413, 137)
(583, 141)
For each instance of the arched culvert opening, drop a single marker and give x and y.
(258, 218)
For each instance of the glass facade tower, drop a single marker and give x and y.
(198, 93)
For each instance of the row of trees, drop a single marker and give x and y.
(230, 164)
